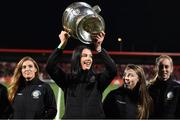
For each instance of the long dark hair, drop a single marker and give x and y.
(76, 68)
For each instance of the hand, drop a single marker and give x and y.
(63, 36)
(98, 39)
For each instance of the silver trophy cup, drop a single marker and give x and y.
(81, 20)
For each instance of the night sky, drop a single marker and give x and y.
(143, 25)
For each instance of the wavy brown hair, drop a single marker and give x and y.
(144, 100)
(17, 77)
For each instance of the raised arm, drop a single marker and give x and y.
(52, 68)
(111, 71)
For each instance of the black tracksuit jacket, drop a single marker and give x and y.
(34, 100)
(166, 97)
(83, 97)
(122, 103)
(4, 103)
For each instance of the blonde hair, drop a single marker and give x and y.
(17, 76)
(156, 68)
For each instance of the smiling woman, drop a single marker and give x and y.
(165, 90)
(29, 96)
(86, 59)
(82, 87)
(28, 70)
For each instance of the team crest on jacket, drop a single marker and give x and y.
(36, 94)
(170, 95)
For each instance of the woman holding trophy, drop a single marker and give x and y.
(82, 87)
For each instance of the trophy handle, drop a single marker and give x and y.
(97, 9)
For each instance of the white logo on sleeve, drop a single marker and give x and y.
(36, 94)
